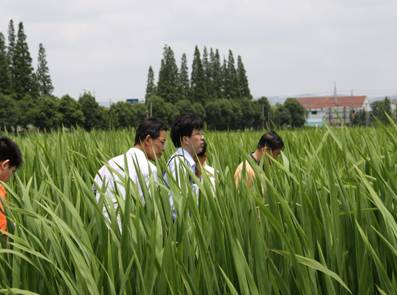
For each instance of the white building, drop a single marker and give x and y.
(334, 110)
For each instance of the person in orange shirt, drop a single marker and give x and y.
(269, 143)
(10, 160)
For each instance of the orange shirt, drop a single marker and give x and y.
(3, 219)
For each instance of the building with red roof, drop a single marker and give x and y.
(334, 110)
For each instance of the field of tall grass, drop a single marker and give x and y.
(327, 223)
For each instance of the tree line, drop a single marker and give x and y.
(217, 89)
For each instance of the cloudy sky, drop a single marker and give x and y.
(289, 47)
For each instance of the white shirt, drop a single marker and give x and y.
(211, 173)
(114, 174)
(177, 170)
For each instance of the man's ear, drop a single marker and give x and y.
(147, 139)
(183, 138)
(4, 164)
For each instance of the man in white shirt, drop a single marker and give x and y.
(113, 177)
(188, 137)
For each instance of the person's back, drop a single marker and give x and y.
(244, 171)
(270, 143)
(10, 161)
(122, 168)
(112, 178)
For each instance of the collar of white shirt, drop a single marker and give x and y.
(141, 158)
(184, 153)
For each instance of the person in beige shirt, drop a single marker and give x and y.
(269, 143)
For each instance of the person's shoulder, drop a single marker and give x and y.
(175, 158)
(2, 191)
(244, 165)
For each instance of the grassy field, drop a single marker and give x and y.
(327, 224)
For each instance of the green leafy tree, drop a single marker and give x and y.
(43, 78)
(358, 118)
(165, 111)
(70, 110)
(263, 115)
(183, 82)
(185, 106)
(47, 115)
(5, 79)
(282, 116)
(198, 91)
(27, 110)
(24, 82)
(380, 110)
(242, 79)
(122, 115)
(8, 112)
(167, 87)
(219, 114)
(150, 85)
(297, 112)
(94, 115)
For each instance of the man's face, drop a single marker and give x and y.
(196, 141)
(6, 170)
(154, 147)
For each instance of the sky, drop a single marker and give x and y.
(288, 47)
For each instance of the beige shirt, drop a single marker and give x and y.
(244, 167)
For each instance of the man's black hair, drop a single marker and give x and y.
(272, 140)
(150, 126)
(9, 150)
(184, 126)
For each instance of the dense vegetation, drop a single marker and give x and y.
(327, 223)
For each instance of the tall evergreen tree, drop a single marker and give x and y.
(216, 70)
(10, 52)
(184, 78)
(24, 82)
(167, 87)
(242, 79)
(5, 81)
(224, 80)
(231, 78)
(150, 85)
(207, 71)
(198, 92)
(43, 78)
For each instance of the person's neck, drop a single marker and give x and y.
(189, 150)
(257, 155)
(140, 147)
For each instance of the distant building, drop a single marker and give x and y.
(132, 100)
(393, 105)
(334, 110)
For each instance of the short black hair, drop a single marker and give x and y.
(203, 151)
(150, 126)
(9, 150)
(272, 140)
(184, 126)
